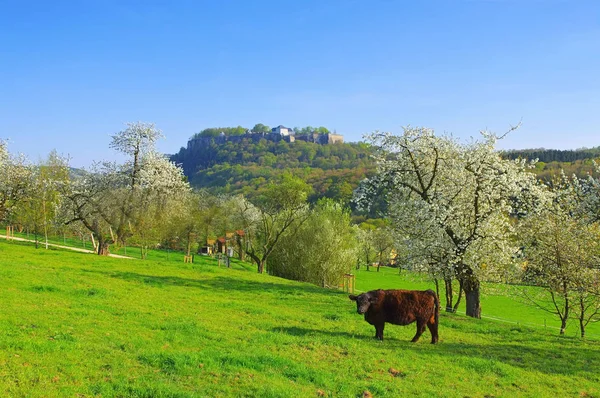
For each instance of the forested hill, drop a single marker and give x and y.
(552, 161)
(247, 166)
(553, 155)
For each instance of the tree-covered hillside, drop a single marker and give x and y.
(246, 166)
(552, 161)
(553, 155)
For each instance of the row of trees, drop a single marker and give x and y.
(258, 128)
(467, 214)
(553, 155)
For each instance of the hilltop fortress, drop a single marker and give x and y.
(279, 133)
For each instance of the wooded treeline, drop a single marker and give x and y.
(258, 128)
(553, 155)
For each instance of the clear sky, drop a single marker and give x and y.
(73, 72)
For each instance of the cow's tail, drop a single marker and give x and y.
(436, 302)
(437, 309)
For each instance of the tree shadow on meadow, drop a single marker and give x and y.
(560, 360)
(249, 286)
(220, 283)
(153, 280)
(303, 332)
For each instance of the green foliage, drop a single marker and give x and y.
(320, 251)
(165, 329)
(286, 192)
(246, 166)
(261, 128)
(281, 210)
(311, 130)
(216, 131)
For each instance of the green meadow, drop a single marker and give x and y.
(80, 325)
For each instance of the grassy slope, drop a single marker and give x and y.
(81, 324)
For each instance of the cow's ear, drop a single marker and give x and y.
(352, 297)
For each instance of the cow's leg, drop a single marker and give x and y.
(379, 331)
(433, 328)
(420, 329)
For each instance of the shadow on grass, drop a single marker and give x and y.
(219, 283)
(557, 359)
(303, 332)
(153, 280)
(244, 285)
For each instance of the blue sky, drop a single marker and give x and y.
(73, 72)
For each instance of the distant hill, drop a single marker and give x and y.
(553, 155)
(552, 161)
(247, 165)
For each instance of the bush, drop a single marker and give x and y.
(321, 251)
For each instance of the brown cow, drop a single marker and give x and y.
(400, 307)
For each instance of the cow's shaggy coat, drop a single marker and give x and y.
(400, 307)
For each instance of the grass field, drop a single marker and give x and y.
(80, 325)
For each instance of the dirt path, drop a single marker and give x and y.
(76, 249)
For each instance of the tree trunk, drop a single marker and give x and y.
(102, 245)
(437, 287)
(240, 248)
(582, 317)
(471, 287)
(45, 223)
(565, 317)
(563, 325)
(460, 293)
(449, 294)
(261, 266)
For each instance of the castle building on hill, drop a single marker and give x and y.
(281, 130)
(279, 133)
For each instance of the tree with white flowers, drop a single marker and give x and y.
(561, 247)
(36, 210)
(15, 175)
(118, 201)
(463, 192)
(162, 186)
